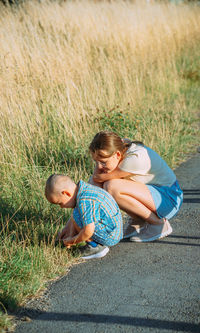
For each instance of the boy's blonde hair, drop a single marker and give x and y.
(56, 183)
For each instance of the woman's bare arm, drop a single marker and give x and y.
(115, 174)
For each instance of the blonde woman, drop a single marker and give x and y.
(140, 181)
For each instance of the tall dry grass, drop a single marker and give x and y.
(67, 70)
(61, 62)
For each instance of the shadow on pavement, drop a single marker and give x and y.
(191, 192)
(167, 241)
(176, 243)
(185, 237)
(123, 320)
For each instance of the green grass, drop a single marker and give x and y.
(6, 321)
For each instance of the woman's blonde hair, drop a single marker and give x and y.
(105, 144)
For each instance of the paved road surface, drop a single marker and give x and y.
(152, 287)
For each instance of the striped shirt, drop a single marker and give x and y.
(95, 205)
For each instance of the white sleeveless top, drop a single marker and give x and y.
(146, 166)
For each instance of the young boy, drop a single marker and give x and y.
(96, 217)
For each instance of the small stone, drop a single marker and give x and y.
(26, 318)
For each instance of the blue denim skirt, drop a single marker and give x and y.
(168, 200)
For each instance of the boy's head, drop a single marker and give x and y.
(61, 190)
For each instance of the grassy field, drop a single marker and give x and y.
(68, 70)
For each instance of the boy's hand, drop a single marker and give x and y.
(68, 242)
(61, 234)
(84, 235)
(67, 232)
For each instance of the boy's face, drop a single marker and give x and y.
(63, 200)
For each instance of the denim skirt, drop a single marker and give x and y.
(167, 199)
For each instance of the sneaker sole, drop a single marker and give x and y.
(166, 233)
(134, 233)
(97, 255)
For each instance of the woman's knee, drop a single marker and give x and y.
(111, 187)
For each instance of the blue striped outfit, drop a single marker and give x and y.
(94, 204)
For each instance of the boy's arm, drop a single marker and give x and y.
(115, 174)
(68, 230)
(84, 235)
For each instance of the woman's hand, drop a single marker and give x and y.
(98, 177)
(115, 174)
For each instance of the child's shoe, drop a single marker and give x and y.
(152, 232)
(90, 252)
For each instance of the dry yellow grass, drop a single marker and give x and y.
(65, 61)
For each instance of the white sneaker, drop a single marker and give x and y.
(89, 252)
(152, 232)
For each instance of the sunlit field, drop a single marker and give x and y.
(67, 70)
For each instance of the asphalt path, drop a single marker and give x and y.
(149, 287)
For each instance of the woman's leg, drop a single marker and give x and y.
(134, 198)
